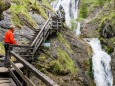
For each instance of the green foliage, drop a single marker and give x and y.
(101, 2)
(2, 5)
(42, 58)
(18, 11)
(95, 2)
(89, 5)
(20, 15)
(51, 1)
(45, 2)
(63, 65)
(83, 10)
(25, 3)
(40, 10)
(1, 48)
(112, 17)
(90, 73)
(108, 49)
(79, 19)
(63, 41)
(73, 24)
(21, 8)
(108, 44)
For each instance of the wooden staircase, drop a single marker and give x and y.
(39, 37)
(29, 53)
(7, 82)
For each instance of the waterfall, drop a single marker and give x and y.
(101, 64)
(101, 60)
(71, 11)
(78, 32)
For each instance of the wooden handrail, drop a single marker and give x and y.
(36, 72)
(23, 46)
(41, 31)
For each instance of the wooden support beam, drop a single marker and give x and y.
(25, 78)
(21, 46)
(15, 78)
(35, 71)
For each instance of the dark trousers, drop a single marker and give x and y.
(7, 55)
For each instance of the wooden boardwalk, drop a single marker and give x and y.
(7, 82)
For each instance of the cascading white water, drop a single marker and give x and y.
(101, 64)
(78, 32)
(101, 60)
(71, 11)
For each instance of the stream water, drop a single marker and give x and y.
(101, 64)
(101, 60)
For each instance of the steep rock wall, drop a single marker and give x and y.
(102, 26)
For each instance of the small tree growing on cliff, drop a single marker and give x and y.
(83, 10)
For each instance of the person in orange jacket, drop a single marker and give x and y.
(9, 39)
(9, 36)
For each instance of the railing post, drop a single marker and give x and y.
(26, 73)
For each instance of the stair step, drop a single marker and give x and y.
(26, 55)
(1, 59)
(30, 51)
(1, 55)
(38, 30)
(33, 35)
(7, 82)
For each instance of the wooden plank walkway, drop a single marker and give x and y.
(5, 70)
(7, 82)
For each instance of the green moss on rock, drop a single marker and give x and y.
(20, 11)
(1, 48)
(108, 44)
(4, 5)
(20, 16)
(40, 10)
(45, 2)
(64, 42)
(63, 65)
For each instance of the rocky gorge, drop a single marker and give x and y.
(100, 23)
(68, 60)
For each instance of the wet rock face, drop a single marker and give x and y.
(4, 5)
(102, 26)
(107, 30)
(74, 48)
(113, 66)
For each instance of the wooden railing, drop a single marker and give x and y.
(52, 24)
(28, 68)
(42, 35)
(23, 46)
(24, 51)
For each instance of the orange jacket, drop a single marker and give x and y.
(9, 37)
